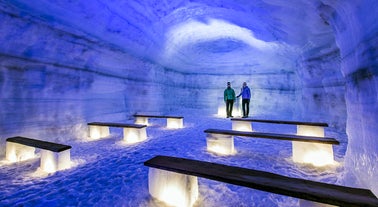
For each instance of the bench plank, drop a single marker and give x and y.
(158, 116)
(55, 147)
(281, 122)
(323, 140)
(111, 124)
(270, 182)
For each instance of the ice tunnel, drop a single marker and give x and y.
(65, 63)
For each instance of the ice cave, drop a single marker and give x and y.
(66, 63)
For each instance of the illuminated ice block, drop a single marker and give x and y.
(50, 161)
(141, 120)
(306, 203)
(54, 161)
(237, 108)
(173, 188)
(312, 153)
(222, 111)
(220, 144)
(133, 135)
(175, 123)
(241, 126)
(17, 152)
(97, 132)
(316, 131)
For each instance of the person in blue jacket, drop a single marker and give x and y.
(229, 98)
(246, 96)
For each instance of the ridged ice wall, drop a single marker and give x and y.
(320, 93)
(53, 82)
(356, 33)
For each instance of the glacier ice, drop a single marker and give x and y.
(66, 63)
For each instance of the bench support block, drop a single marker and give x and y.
(307, 203)
(141, 120)
(220, 144)
(242, 126)
(54, 161)
(175, 123)
(96, 132)
(50, 161)
(133, 135)
(316, 131)
(173, 188)
(312, 153)
(17, 152)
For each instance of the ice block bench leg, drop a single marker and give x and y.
(53, 156)
(303, 128)
(314, 150)
(321, 194)
(174, 122)
(131, 132)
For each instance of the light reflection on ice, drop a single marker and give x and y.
(105, 171)
(194, 31)
(42, 173)
(174, 189)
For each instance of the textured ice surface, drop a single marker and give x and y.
(66, 63)
(356, 36)
(109, 172)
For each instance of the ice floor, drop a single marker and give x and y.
(108, 172)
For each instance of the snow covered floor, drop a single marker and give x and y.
(108, 172)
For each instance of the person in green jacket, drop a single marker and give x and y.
(229, 98)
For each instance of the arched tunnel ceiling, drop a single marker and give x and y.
(200, 36)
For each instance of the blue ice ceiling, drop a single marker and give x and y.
(65, 63)
(199, 36)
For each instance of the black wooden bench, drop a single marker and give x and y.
(303, 128)
(323, 140)
(172, 121)
(269, 182)
(54, 147)
(281, 122)
(158, 116)
(131, 132)
(121, 125)
(317, 151)
(15, 151)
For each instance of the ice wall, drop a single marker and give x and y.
(270, 96)
(356, 33)
(202, 44)
(214, 43)
(52, 82)
(64, 63)
(320, 94)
